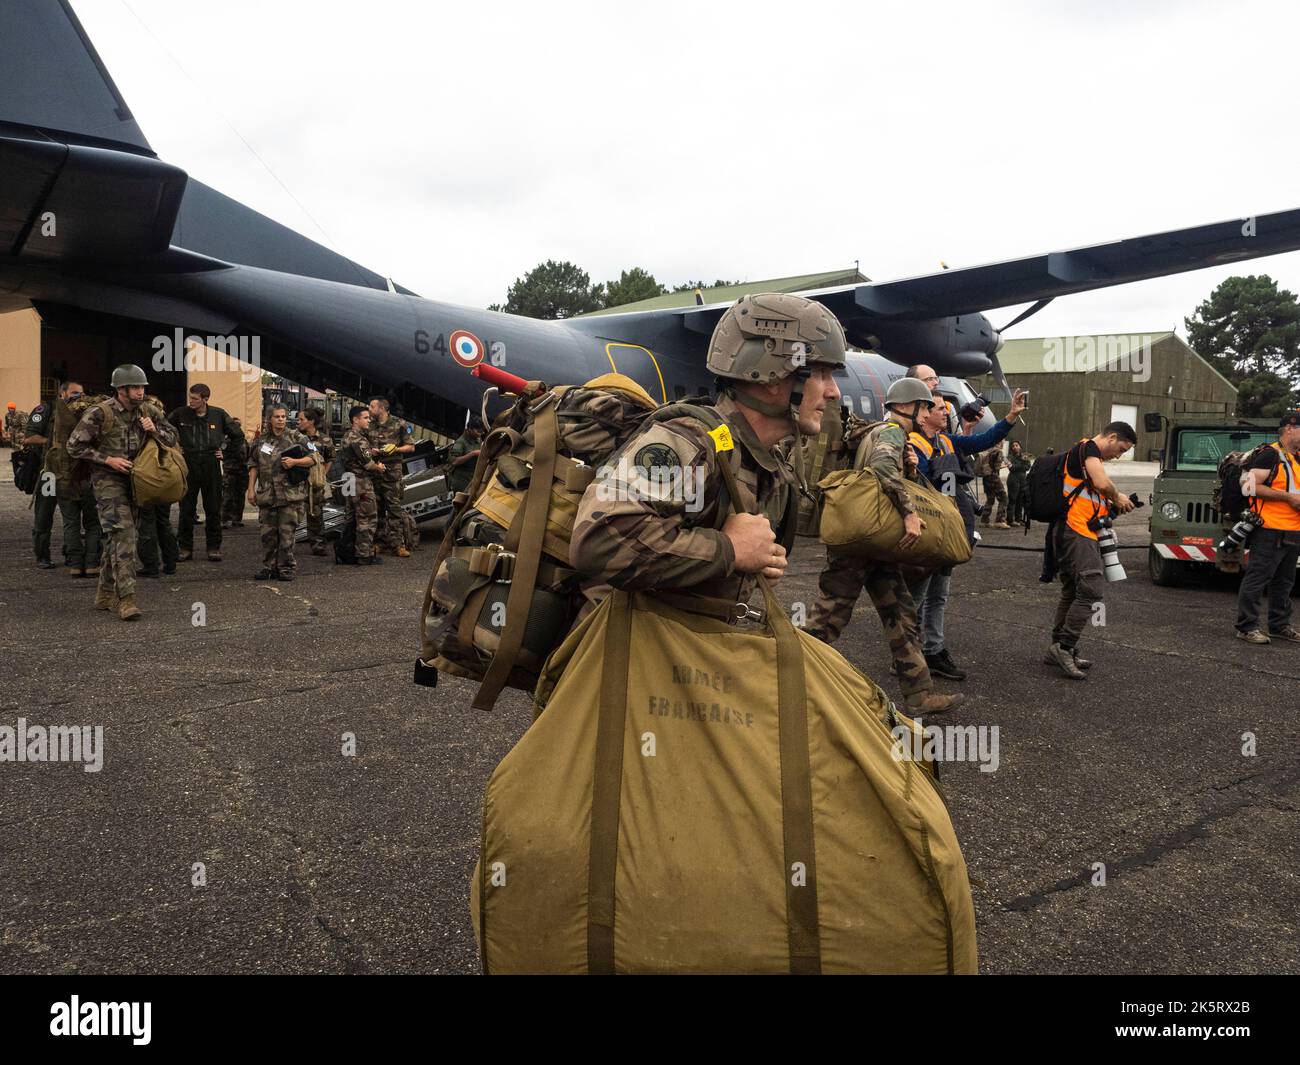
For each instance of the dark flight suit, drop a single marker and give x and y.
(45, 499)
(201, 438)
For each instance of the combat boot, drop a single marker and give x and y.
(105, 600)
(1063, 659)
(926, 704)
(401, 552)
(126, 608)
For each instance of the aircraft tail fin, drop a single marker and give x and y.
(52, 79)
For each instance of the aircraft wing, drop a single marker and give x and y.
(971, 289)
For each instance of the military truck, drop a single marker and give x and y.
(1186, 529)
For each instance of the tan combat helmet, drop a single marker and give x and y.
(767, 337)
(771, 336)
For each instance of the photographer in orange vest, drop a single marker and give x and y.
(1274, 545)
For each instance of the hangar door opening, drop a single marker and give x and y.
(1125, 412)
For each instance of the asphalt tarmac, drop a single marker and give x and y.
(223, 746)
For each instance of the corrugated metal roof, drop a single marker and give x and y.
(730, 293)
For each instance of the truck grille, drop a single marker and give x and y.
(1201, 514)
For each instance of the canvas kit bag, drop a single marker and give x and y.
(695, 796)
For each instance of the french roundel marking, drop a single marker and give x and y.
(466, 348)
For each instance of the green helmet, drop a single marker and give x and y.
(128, 374)
(909, 390)
(767, 337)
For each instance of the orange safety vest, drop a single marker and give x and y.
(1087, 504)
(927, 448)
(1276, 514)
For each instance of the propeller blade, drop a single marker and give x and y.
(1032, 310)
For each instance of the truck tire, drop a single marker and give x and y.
(1165, 572)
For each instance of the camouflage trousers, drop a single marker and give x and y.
(316, 515)
(278, 526)
(234, 488)
(841, 582)
(117, 529)
(389, 492)
(363, 513)
(995, 492)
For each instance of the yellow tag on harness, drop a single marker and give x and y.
(722, 439)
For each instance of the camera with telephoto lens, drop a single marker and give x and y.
(1108, 543)
(1236, 538)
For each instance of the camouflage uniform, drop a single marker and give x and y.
(234, 477)
(15, 423)
(989, 466)
(844, 578)
(95, 444)
(279, 503)
(81, 536)
(363, 509)
(633, 533)
(388, 485)
(317, 494)
(459, 477)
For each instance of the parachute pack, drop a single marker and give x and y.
(502, 595)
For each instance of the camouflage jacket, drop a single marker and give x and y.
(395, 432)
(324, 447)
(892, 460)
(15, 423)
(234, 449)
(92, 442)
(989, 464)
(460, 476)
(273, 487)
(654, 514)
(354, 454)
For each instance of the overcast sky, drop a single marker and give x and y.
(453, 147)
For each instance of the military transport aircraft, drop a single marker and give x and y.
(92, 219)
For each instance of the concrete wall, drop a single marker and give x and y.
(20, 359)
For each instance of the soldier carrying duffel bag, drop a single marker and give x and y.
(700, 793)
